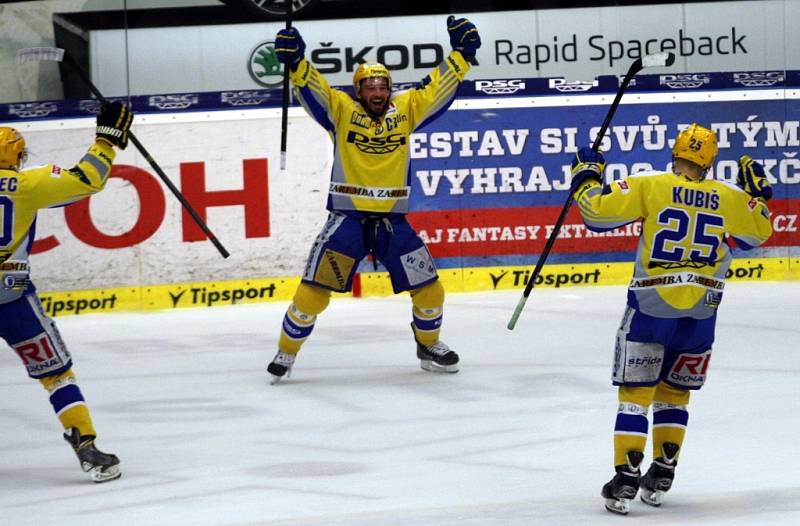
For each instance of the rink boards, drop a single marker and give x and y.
(488, 179)
(233, 292)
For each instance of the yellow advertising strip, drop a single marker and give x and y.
(577, 275)
(235, 292)
(165, 297)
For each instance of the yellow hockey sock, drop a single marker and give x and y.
(670, 417)
(301, 316)
(68, 402)
(428, 303)
(630, 428)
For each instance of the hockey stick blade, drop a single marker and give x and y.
(657, 60)
(40, 54)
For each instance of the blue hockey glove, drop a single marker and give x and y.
(289, 46)
(588, 164)
(113, 124)
(752, 179)
(464, 36)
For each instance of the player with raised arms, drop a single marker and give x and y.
(24, 325)
(663, 344)
(369, 191)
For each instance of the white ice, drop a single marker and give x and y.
(360, 435)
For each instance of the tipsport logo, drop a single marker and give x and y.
(263, 65)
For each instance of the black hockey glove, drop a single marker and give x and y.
(752, 179)
(587, 164)
(289, 46)
(113, 124)
(464, 36)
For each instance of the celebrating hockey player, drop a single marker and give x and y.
(369, 191)
(23, 322)
(664, 343)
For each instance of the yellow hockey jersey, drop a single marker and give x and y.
(24, 193)
(682, 257)
(370, 165)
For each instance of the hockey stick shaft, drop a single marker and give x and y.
(285, 102)
(660, 59)
(139, 146)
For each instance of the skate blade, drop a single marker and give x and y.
(433, 367)
(276, 378)
(655, 498)
(621, 506)
(99, 475)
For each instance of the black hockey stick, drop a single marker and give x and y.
(285, 103)
(53, 54)
(648, 61)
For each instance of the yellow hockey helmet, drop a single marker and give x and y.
(12, 149)
(696, 144)
(366, 71)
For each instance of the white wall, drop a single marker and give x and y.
(30, 24)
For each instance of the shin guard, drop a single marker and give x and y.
(428, 303)
(68, 402)
(301, 316)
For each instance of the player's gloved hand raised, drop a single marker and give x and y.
(289, 46)
(752, 179)
(587, 164)
(464, 36)
(113, 124)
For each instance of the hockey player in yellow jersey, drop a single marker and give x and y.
(369, 191)
(23, 322)
(663, 345)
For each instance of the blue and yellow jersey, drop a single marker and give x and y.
(370, 164)
(24, 193)
(682, 256)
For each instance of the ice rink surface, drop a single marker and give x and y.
(359, 435)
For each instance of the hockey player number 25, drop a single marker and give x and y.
(677, 225)
(6, 220)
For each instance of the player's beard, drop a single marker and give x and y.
(376, 106)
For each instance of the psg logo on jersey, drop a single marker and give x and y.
(376, 145)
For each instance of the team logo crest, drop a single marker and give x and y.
(263, 65)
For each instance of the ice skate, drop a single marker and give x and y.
(658, 479)
(102, 467)
(620, 490)
(281, 366)
(437, 358)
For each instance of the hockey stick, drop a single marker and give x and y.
(285, 103)
(54, 54)
(648, 61)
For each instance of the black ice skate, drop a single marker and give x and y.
(281, 366)
(658, 479)
(437, 358)
(101, 466)
(619, 491)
